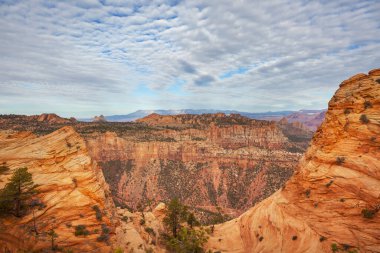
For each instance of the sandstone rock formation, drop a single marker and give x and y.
(70, 185)
(53, 118)
(206, 160)
(141, 237)
(310, 120)
(100, 118)
(332, 201)
(216, 159)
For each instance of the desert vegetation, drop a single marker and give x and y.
(181, 236)
(364, 119)
(17, 193)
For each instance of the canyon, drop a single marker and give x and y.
(208, 161)
(99, 174)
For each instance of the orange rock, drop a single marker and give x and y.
(209, 160)
(338, 177)
(70, 184)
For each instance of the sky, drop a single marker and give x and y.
(89, 57)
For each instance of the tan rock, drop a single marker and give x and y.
(70, 184)
(322, 203)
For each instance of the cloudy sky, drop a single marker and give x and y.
(87, 57)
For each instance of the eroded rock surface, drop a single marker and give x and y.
(205, 160)
(337, 183)
(70, 185)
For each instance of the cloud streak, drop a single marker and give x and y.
(88, 57)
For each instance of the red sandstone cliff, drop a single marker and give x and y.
(334, 198)
(205, 160)
(70, 184)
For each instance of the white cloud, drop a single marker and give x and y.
(85, 57)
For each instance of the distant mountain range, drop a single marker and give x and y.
(260, 115)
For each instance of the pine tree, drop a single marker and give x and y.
(175, 214)
(19, 189)
(182, 238)
(33, 204)
(52, 235)
(191, 220)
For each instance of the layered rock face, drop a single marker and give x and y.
(310, 120)
(52, 118)
(332, 201)
(70, 185)
(205, 160)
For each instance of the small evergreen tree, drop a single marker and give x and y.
(4, 168)
(19, 189)
(40, 205)
(52, 234)
(188, 240)
(191, 220)
(182, 237)
(176, 213)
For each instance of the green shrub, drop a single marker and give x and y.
(307, 193)
(346, 246)
(188, 240)
(104, 236)
(150, 231)
(367, 104)
(364, 119)
(142, 222)
(181, 237)
(81, 230)
(75, 182)
(118, 250)
(340, 160)
(98, 213)
(368, 214)
(105, 229)
(3, 168)
(334, 247)
(149, 250)
(198, 139)
(329, 183)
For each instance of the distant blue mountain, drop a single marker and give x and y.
(260, 115)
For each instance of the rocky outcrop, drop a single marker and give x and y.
(100, 118)
(332, 201)
(52, 118)
(144, 237)
(38, 124)
(310, 120)
(70, 185)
